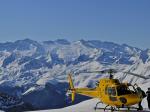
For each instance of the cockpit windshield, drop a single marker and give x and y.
(123, 90)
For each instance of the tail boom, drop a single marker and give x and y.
(83, 91)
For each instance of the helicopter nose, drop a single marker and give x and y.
(132, 99)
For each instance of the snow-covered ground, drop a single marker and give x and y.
(85, 106)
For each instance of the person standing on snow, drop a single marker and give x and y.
(148, 97)
(140, 91)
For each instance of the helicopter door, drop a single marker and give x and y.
(112, 93)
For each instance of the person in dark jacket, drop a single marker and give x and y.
(140, 91)
(148, 97)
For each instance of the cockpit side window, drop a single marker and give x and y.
(123, 90)
(111, 91)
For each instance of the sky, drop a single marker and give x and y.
(119, 21)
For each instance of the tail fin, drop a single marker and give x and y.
(71, 88)
(70, 81)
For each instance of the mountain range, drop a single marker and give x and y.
(36, 72)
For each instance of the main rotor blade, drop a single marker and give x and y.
(138, 75)
(101, 71)
(91, 72)
(111, 71)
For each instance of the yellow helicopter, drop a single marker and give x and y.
(111, 92)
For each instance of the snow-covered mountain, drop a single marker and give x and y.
(36, 72)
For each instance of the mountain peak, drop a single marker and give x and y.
(27, 40)
(62, 41)
(58, 41)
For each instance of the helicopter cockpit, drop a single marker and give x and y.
(119, 90)
(123, 90)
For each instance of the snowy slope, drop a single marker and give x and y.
(85, 106)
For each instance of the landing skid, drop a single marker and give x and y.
(97, 105)
(111, 108)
